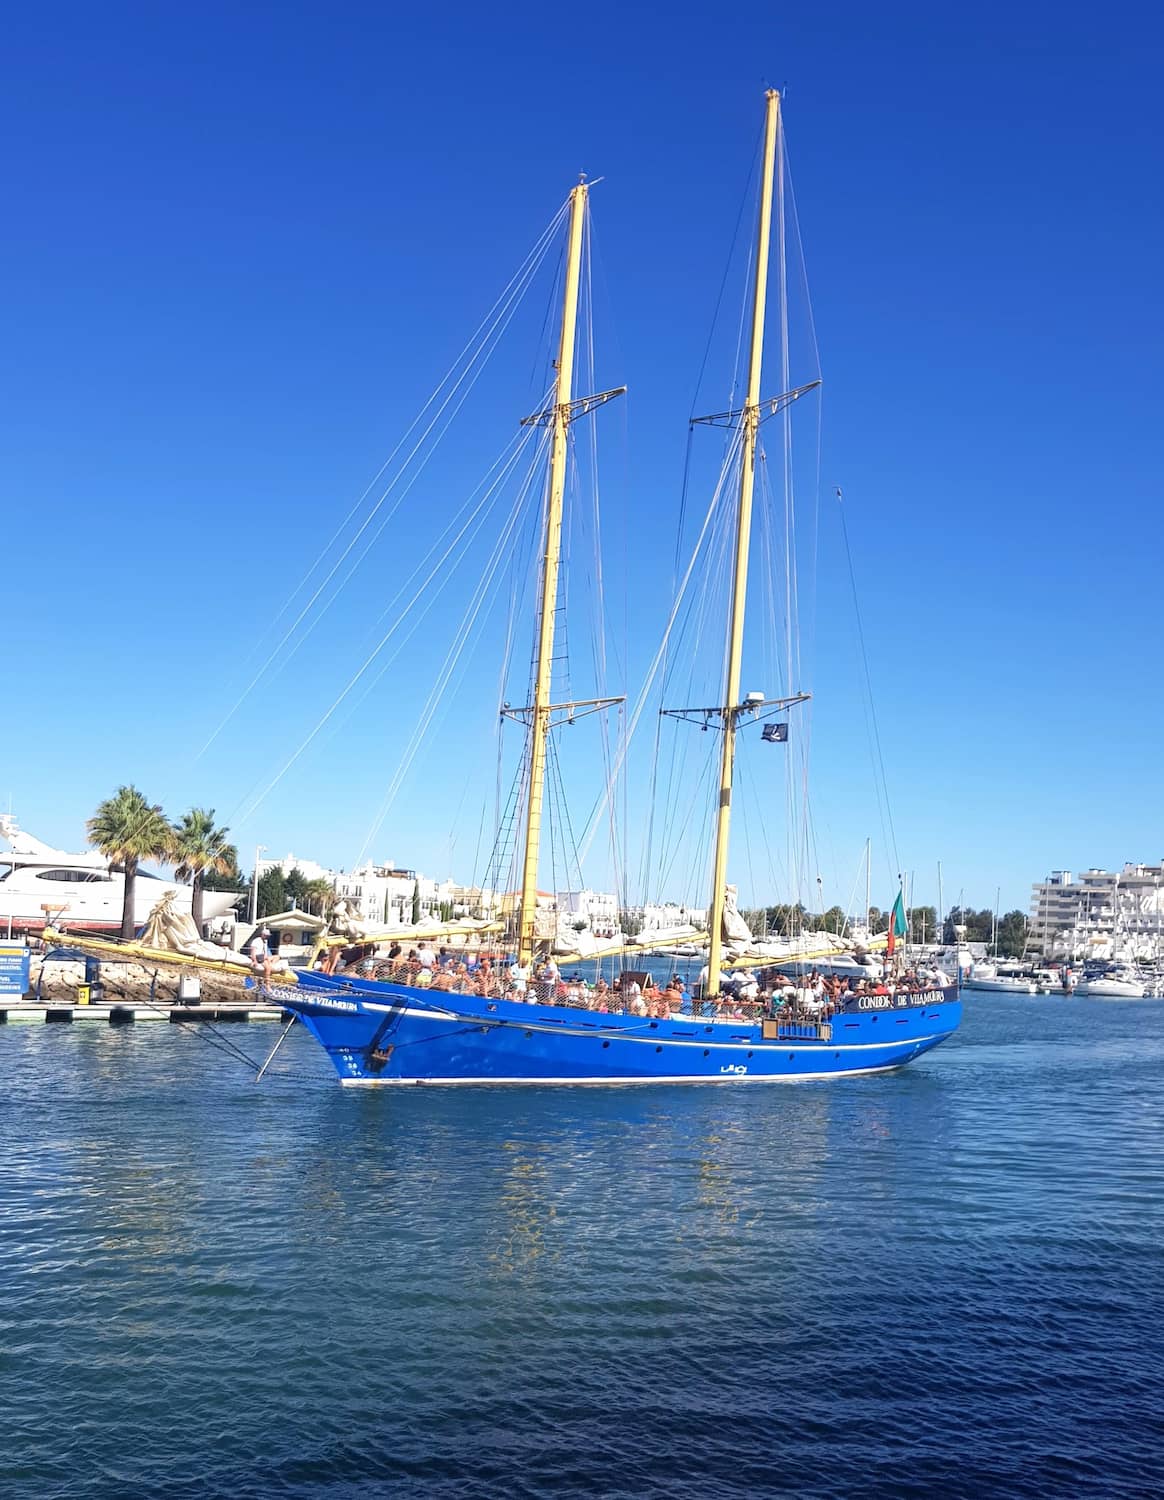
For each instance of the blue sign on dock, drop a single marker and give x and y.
(13, 969)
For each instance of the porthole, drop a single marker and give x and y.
(529, 1033)
(749, 1054)
(658, 1049)
(654, 1025)
(837, 1056)
(792, 1057)
(606, 1044)
(706, 1053)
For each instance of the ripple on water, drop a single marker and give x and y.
(944, 1281)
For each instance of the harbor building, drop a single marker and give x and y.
(1100, 914)
(588, 911)
(389, 894)
(664, 917)
(308, 868)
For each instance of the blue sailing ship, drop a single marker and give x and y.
(405, 1024)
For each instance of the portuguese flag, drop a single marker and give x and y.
(897, 924)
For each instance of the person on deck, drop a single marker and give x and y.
(260, 952)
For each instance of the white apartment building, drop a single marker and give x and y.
(306, 867)
(664, 916)
(596, 910)
(384, 893)
(1099, 914)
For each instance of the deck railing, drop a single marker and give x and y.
(798, 1016)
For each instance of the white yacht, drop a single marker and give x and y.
(1116, 982)
(79, 892)
(988, 976)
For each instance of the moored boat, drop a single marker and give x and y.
(45, 887)
(1112, 982)
(986, 976)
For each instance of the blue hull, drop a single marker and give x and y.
(380, 1032)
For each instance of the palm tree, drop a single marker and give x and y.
(199, 848)
(127, 829)
(319, 893)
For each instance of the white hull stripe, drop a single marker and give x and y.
(376, 1083)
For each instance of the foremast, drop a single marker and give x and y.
(538, 716)
(540, 709)
(750, 418)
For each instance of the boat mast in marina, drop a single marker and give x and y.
(749, 417)
(539, 715)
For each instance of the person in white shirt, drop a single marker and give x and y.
(426, 955)
(261, 954)
(519, 977)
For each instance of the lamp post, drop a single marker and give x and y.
(259, 849)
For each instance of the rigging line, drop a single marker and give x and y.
(569, 843)
(601, 665)
(203, 1030)
(476, 522)
(786, 422)
(476, 866)
(750, 781)
(502, 467)
(542, 344)
(741, 760)
(871, 713)
(648, 843)
(717, 567)
(495, 333)
(598, 614)
(791, 199)
(437, 693)
(468, 532)
(449, 666)
(523, 569)
(533, 258)
(352, 681)
(645, 691)
(807, 293)
(772, 653)
(702, 835)
(853, 899)
(705, 601)
(745, 197)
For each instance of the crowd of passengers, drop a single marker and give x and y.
(743, 994)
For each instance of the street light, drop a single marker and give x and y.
(259, 849)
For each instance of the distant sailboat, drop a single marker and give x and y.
(460, 1024)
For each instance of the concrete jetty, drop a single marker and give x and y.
(125, 1012)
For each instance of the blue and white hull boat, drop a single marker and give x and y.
(383, 1033)
(485, 1028)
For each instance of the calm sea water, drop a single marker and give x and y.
(945, 1281)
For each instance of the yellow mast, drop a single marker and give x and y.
(751, 423)
(541, 708)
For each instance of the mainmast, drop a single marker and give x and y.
(751, 423)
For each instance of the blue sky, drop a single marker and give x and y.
(245, 242)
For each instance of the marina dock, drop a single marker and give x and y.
(128, 1012)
